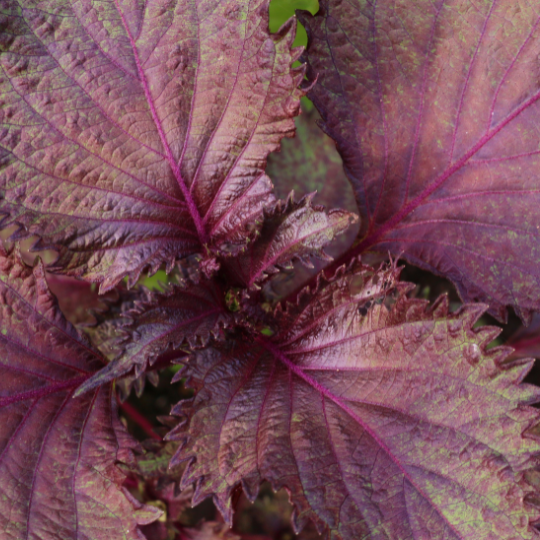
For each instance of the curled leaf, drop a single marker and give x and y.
(293, 230)
(308, 163)
(149, 324)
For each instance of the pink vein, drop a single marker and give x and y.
(65, 137)
(422, 100)
(276, 352)
(35, 472)
(467, 79)
(502, 159)
(338, 463)
(462, 222)
(225, 108)
(83, 428)
(65, 333)
(194, 212)
(259, 417)
(415, 203)
(315, 322)
(96, 103)
(240, 155)
(195, 83)
(237, 202)
(97, 188)
(381, 105)
(345, 96)
(19, 369)
(247, 376)
(13, 435)
(184, 322)
(273, 260)
(41, 392)
(514, 60)
(508, 192)
(342, 405)
(34, 353)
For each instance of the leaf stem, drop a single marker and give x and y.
(139, 419)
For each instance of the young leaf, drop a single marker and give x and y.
(434, 107)
(293, 230)
(58, 455)
(133, 136)
(382, 422)
(309, 162)
(149, 324)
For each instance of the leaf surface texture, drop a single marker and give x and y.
(434, 106)
(133, 134)
(385, 421)
(58, 474)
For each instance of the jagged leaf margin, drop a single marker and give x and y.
(384, 417)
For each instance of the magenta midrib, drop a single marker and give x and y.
(41, 392)
(422, 101)
(193, 210)
(467, 80)
(273, 260)
(183, 323)
(276, 352)
(378, 234)
(36, 466)
(76, 468)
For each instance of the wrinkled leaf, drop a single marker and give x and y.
(150, 323)
(133, 135)
(384, 422)
(293, 230)
(434, 108)
(58, 474)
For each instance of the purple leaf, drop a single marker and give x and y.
(58, 455)
(434, 108)
(293, 230)
(150, 323)
(384, 418)
(135, 135)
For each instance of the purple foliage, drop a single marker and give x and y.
(437, 126)
(134, 137)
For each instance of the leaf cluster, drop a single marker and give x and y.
(136, 139)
